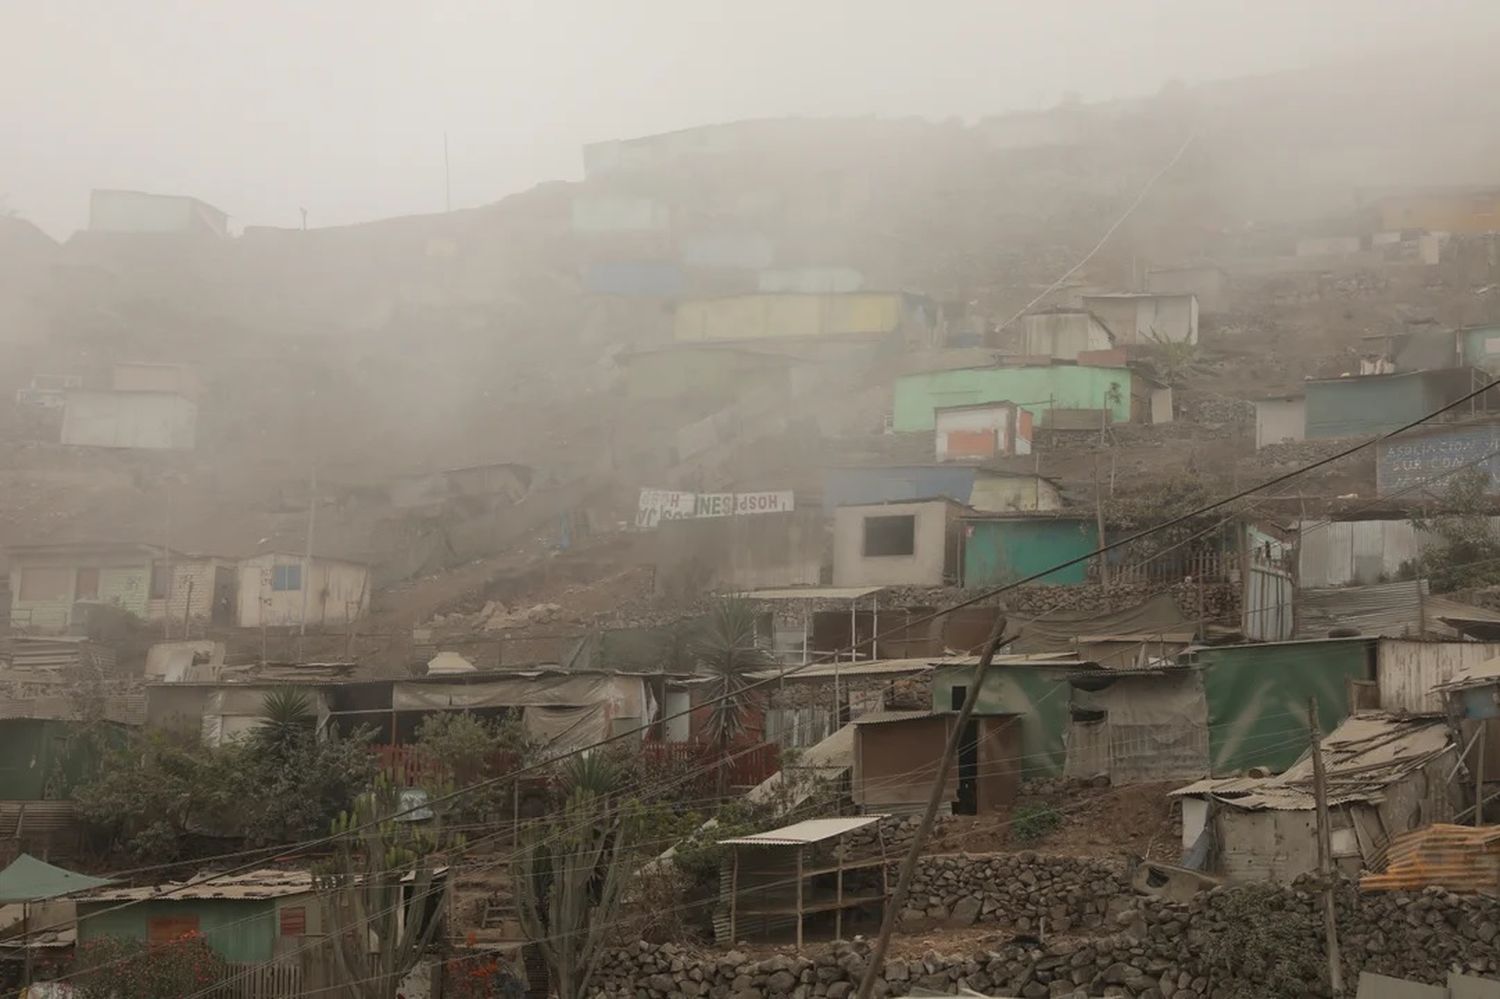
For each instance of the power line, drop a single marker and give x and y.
(968, 602)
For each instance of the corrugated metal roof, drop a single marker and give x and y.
(813, 593)
(1363, 756)
(882, 717)
(879, 667)
(802, 833)
(261, 884)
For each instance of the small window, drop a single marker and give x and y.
(293, 921)
(87, 587)
(890, 536)
(163, 930)
(286, 577)
(956, 697)
(161, 580)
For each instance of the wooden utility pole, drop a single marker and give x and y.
(897, 901)
(1099, 524)
(1479, 776)
(1325, 852)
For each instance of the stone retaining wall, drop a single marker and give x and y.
(1149, 949)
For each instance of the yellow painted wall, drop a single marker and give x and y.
(759, 317)
(1478, 212)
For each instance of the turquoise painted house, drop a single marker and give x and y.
(1365, 405)
(249, 918)
(1128, 396)
(1479, 346)
(1000, 550)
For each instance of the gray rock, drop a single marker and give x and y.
(838, 990)
(966, 911)
(781, 982)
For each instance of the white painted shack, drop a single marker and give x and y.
(1280, 420)
(1386, 775)
(157, 421)
(1061, 334)
(279, 589)
(1142, 317)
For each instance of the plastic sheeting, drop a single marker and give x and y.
(625, 695)
(1159, 616)
(1153, 728)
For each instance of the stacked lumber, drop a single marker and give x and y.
(1459, 858)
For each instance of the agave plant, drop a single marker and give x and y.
(596, 772)
(286, 715)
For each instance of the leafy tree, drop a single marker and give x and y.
(158, 795)
(381, 893)
(570, 874)
(727, 650)
(1467, 550)
(467, 750)
(296, 794)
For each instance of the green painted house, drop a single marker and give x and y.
(999, 550)
(1040, 389)
(1365, 405)
(1032, 688)
(248, 918)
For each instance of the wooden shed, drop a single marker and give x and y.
(807, 878)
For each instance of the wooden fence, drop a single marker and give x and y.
(272, 980)
(748, 765)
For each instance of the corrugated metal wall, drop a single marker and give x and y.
(1356, 551)
(1359, 552)
(1406, 671)
(1359, 407)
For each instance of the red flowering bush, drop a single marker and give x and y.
(478, 977)
(114, 968)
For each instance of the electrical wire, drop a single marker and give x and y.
(1104, 548)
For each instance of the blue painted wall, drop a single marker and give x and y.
(634, 277)
(853, 486)
(1362, 407)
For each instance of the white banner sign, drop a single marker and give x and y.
(658, 505)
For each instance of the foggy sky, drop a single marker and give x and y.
(262, 106)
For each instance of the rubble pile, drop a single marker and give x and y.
(1150, 949)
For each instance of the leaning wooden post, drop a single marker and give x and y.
(1325, 852)
(945, 766)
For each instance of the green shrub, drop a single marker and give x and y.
(1030, 824)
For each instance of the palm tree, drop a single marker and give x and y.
(728, 649)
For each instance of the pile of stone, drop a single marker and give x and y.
(1147, 948)
(1024, 891)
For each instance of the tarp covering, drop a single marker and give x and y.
(29, 880)
(566, 728)
(1157, 617)
(625, 695)
(1257, 697)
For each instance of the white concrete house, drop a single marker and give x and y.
(275, 588)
